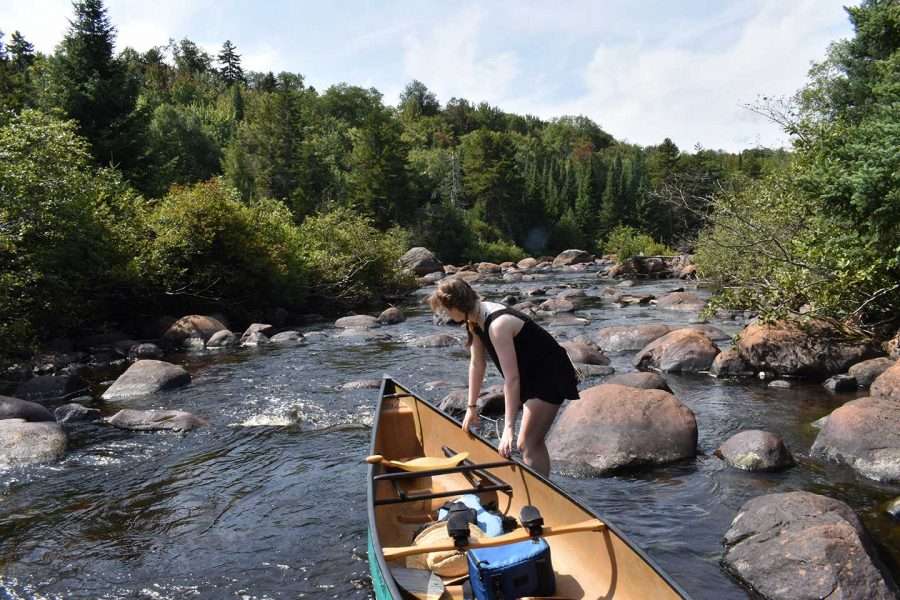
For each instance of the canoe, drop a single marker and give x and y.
(591, 558)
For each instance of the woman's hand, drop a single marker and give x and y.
(471, 419)
(506, 443)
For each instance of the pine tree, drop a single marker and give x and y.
(230, 60)
(21, 52)
(610, 206)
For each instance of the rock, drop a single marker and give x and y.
(432, 277)
(421, 261)
(255, 338)
(16, 408)
(147, 377)
(362, 384)
(469, 277)
(357, 322)
(527, 263)
(263, 328)
(76, 413)
(454, 403)
(688, 272)
(813, 349)
(627, 299)
(779, 383)
(683, 350)
(755, 450)
(867, 371)
(864, 434)
(155, 420)
(509, 300)
(893, 508)
(892, 347)
(572, 257)
(623, 268)
(287, 337)
(567, 320)
(49, 388)
(686, 301)
(537, 292)
(840, 383)
(819, 423)
(713, 333)
(391, 316)
(439, 340)
(586, 371)
(555, 305)
(572, 295)
(24, 443)
(507, 264)
(492, 401)
(729, 363)
(192, 331)
(580, 352)
(800, 545)
(433, 385)
(513, 277)
(613, 427)
(145, 351)
(619, 338)
(222, 339)
(488, 267)
(641, 380)
(887, 385)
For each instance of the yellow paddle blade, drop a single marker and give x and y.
(427, 463)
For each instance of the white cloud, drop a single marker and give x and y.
(643, 93)
(447, 60)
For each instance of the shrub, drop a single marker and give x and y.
(499, 252)
(625, 241)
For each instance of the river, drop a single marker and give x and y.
(268, 501)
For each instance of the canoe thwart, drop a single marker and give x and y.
(404, 497)
(509, 538)
(422, 463)
(465, 467)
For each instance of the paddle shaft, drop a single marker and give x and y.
(515, 536)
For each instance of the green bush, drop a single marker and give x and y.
(350, 261)
(625, 241)
(499, 252)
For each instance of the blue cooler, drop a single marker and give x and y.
(511, 571)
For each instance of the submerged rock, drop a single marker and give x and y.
(755, 450)
(155, 420)
(438, 340)
(76, 413)
(362, 384)
(287, 337)
(147, 377)
(357, 322)
(24, 443)
(799, 546)
(613, 427)
(682, 301)
(642, 380)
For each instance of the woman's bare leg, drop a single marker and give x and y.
(536, 421)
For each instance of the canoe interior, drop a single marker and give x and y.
(587, 564)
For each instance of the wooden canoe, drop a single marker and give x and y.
(591, 558)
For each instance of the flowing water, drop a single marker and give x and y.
(268, 501)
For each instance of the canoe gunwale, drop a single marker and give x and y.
(388, 381)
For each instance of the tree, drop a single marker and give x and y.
(21, 52)
(230, 60)
(417, 101)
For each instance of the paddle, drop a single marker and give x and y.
(515, 536)
(423, 463)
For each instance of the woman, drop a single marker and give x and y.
(537, 372)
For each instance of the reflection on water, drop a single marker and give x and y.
(269, 501)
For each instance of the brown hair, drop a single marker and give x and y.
(454, 292)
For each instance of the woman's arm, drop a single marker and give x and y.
(477, 366)
(502, 332)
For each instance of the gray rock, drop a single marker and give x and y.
(682, 301)
(391, 316)
(15, 408)
(729, 363)
(641, 380)
(263, 328)
(868, 371)
(556, 305)
(682, 350)
(421, 261)
(755, 450)
(147, 377)
(432, 277)
(799, 546)
(192, 331)
(614, 427)
(361, 384)
(222, 339)
(439, 340)
(620, 338)
(840, 383)
(509, 300)
(24, 443)
(287, 337)
(51, 387)
(572, 257)
(255, 338)
(586, 371)
(713, 333)
(781, 384)
(357, 322)
(887, 385)
(864, 434)
(155, 420)
(76, 413)
(145, 351)
(582, 353)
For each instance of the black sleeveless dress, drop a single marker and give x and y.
(545, 370)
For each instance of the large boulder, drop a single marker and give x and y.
(192, 331)
(49, 388)
(572, 257)
(710, 331)
(24, 443)
(729, 363)
(557, 305)
(155, 420)
(755, 450)
(864, 434)
(800, 546)
(391, 316)
(421, 261)
(887, 385)
(682, 350)
(263, 328)
(222, 339)
(527, 263)
(809, 349)
(614, 427)
(619, 338)
(686, 301)
(867, 371)
(16, 408)
(488, 267)
(357, 322)
(147, 377)
(640, 379)
(582, 353)
(254, 339)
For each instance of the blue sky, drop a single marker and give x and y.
(642, 69)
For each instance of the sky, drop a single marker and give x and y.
(643, 70)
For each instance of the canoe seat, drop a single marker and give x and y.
(428, 463)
